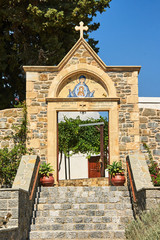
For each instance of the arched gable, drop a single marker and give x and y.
(97, 73)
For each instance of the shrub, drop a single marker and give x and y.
(155, 173)
(153, 167)
(10, 158)
(146, 227)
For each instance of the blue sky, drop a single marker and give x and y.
(129, 34)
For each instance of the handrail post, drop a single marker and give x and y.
(131, 182)
(34, 183)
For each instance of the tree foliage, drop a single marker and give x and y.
(74, 139)
(39, 33)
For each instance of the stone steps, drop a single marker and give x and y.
(81, 213)
(84, 220)
(104, 225)
(77, 235)
(102, 181)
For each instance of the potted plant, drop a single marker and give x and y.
(117, 173)
(46, 176)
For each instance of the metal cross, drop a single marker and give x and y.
(81, 28)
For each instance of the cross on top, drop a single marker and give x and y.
(81, 28)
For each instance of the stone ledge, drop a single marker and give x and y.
(25, 173)
(85, 182)
(140, 171)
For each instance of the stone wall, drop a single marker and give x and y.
(126, 84)
(37, 90)
(150, 131)
(8, 118)
(148, 198)
(19, 200)
(38, 85)
(102, 181)
(140, 185)
(82, 56)
(17, 203)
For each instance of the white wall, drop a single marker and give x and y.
(78, 167)
(149, 102)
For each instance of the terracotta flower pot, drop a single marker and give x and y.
(118, 180)
(47, 181)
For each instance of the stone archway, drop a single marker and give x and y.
(57, 102)
(65, 73)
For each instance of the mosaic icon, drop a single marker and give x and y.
(81, 89)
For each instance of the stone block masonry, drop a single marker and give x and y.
(126, 84)
(37, 90)
(147, 196)
(19, 200)
(140, 171)
(102, 181)
(81, 213)
(43, 83)
(16, 202)
(38, 85)
(82, 56)
(8, 118)
(9, 201)
(150, 131)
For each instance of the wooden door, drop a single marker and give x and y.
(94, 167)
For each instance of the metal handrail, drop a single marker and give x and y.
(131, 182)
(34, 183)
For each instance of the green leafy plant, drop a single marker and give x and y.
(74, 139)
(86, 140)
(10, 158)
(153, 167)
(45, 169)
(115, 167)
(146, 227)
(149, 152)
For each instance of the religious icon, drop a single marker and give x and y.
(81, 92)
(81, 89)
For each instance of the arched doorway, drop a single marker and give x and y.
(62, 98)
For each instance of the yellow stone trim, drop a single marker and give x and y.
(57, 69)
(55, 107)
(83, 99)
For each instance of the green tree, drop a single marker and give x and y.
(39, 33)
(74, 139)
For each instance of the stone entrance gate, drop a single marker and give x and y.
(105, 88)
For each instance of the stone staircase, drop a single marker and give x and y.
(81, 213)
(101, 181)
